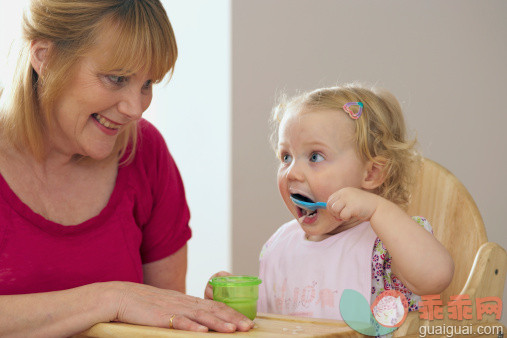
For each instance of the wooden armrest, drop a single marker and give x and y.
(487, 276)
(486, 279)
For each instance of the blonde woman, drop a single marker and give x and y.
(93, 216)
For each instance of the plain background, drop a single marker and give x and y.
(444, 60)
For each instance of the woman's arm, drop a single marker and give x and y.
(169, 272)
(56, 314)
(69, 312)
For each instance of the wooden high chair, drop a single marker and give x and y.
(479, 266)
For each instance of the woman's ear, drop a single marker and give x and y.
(39, 51)
(375, 174)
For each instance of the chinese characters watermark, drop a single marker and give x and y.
(459, 307)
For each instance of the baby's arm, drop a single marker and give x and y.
(419, 260)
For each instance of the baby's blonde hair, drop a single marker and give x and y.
(380, 132)
(143, 41)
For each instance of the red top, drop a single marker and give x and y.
(146, 219)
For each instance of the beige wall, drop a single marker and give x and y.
(444, 60)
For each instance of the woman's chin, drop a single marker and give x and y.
(99, 154)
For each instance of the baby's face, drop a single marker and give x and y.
(318, 157)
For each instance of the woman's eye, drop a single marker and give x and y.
(148, 84)
(117, 80)
(316, 157)
(286, 158)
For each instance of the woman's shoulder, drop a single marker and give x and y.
(152, 162)
(148, 135)
(151, 148)
(146, 127)
(153, 178)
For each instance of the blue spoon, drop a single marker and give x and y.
(309, 205)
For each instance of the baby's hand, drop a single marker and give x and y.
(208, 290)
(352, 204)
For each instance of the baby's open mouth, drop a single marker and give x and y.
(303, 211)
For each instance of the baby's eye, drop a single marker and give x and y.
(117, 79)
(286, 158)
(316, 157)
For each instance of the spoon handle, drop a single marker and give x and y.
(320, 205)
(309, 205)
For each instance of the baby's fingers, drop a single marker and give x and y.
(346, 213)
(208, 290)
(221, 274)
(335, 208)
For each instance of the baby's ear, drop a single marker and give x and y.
(375, 174)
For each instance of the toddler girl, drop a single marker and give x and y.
(346, 146)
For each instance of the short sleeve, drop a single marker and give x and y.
(382, 277)
(166, 228)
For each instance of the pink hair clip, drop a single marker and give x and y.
(353, 115)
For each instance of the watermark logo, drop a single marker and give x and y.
(390, 309)
(385, 315)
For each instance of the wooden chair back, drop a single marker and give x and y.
(457, 223)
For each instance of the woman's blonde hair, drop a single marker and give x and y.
(380, 132)
(143, 41)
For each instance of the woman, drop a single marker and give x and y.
(93, 216)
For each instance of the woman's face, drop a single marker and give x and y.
(95, 107)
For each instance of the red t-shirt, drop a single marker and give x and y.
(146, 219)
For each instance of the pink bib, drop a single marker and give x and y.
(305, 278)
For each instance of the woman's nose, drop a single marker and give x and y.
(133, 104)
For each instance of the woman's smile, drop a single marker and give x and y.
(107, 126)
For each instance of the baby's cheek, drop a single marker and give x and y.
(281, 181)
(328, 194)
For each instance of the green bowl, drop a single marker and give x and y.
(239, 292)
